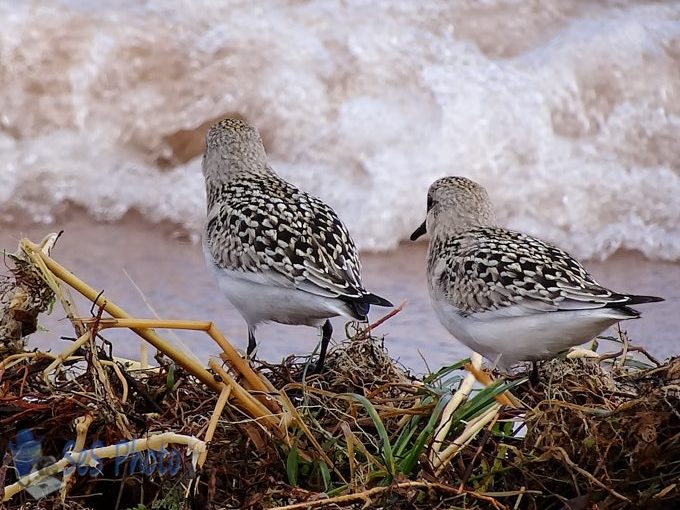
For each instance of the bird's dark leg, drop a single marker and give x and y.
(251, 343)
(533, 378)
(326, 332)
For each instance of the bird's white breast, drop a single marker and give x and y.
(513, 334)
(260, 298)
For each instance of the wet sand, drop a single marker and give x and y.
(171, 274)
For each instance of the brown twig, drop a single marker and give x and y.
(386, 317)
(586, 474)
(366, 495)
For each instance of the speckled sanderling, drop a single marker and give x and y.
(279, 254)
(507, 295)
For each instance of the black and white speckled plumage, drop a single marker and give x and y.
(487, 268)
(262, 222)
(505, 294)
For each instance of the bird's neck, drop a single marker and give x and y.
(218, 178)
(457, 227)
(445, 223)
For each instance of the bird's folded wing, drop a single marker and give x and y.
(314, 254)
(496, 268)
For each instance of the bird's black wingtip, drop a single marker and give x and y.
(374, 299)
(360, 306)
(636, 300)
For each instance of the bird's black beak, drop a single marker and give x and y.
(421, 230)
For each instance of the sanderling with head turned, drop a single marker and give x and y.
(507, 295)
(278, 253)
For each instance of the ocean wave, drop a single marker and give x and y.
(568, 113)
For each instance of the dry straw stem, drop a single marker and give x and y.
(469, 433)
(82, 426)
(121, 379)
(580, 352)
(253, 407)
(236, 361)
(457, 399)
(33, 250)
(506, 398)
(586, 474)
(67, 353)
(366, 495)
(288, 405)
(90, 457)
(15, 359)
(113, 408)
(35, 254)
(212, 425)
(354, 442)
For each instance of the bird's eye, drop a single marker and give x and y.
(430, 202)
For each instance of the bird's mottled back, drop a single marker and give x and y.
(489, 268)
(259, 223)
(278, 253)
(479, 267)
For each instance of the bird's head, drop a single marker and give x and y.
(456, 204)
(232, 146)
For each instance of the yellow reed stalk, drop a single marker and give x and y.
(253, 407)
(457, 399)
(14, 359)
(143, 355)
(468, 434)
(90, 457)
(506, 398)
(82, 425)
(239, 364)
(111, 308)
(212, 425)
(67, 353)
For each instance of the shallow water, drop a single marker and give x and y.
(171, 274)
(568, 112)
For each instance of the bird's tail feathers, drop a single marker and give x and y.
(359, 306)
(636, 300)
(373, 299)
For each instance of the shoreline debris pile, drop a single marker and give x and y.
(85, 429)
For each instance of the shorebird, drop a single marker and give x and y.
(278, 253)
(504, 294)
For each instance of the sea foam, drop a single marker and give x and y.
(568, 113)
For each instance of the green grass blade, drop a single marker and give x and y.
(382, 432)
(405, 436)
(325, 476)
(293, 466)
(408, 464)
(482, 400)
(442, 372)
